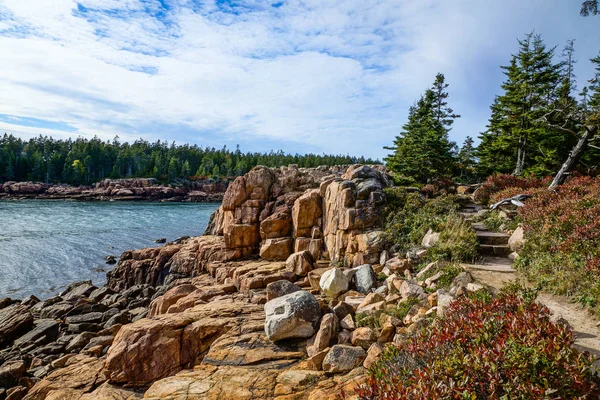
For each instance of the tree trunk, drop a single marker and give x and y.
(520, 166)
(574, 156)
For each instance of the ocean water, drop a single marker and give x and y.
(45, 245)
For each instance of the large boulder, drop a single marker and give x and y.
(301, 263)
(517, 240)
(295, 315)
(278, 224)
(354, 204)
(278, 249)
(365, 278)
(241, 236)
(334, 282)
(15, 320)
(151, 349)
(306, 213)
(343, 358)
(280, 288)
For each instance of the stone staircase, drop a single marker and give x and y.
(493, 246)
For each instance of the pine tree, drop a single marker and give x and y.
(216, 173)
(515, 131)
(173, 171)
(583, 123)
(422, 151)
(553, 146)
(590, 7)
(466, 160)
(186, 170)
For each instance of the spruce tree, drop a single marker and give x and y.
(515, 131)
(423, 151)
(553, 145)
(590, 7)
(466, 161)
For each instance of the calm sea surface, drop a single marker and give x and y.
(45, 245)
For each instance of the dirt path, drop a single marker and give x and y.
(495, 269)
(587, 333)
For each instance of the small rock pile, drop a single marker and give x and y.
(349, 315)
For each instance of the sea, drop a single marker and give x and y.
(45, 245)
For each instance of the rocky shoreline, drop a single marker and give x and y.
(138, 189)
(270, 304)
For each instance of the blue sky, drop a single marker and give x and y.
(298, 75)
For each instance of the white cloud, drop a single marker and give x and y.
(334, 76)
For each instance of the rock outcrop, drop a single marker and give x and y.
(136, 189)
(274, 213)
(322, 210)
(281, 300)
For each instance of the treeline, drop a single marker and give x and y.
(85, 161)
(536, 121)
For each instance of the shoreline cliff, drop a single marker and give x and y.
(267, 305)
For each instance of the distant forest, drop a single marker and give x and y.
(85, 161)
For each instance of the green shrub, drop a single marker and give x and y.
(363, 319)
(409, 216)
(486, 348)
(458, 242)
(402, 309)
(449, 272)
(403, 180)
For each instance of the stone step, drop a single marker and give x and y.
(479, 226)
(490, 266)
(494, 238)
(498, 250)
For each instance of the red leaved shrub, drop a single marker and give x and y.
(486, 348)
(566, 223)
(496, 183)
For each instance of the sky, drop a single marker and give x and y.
(320, 76)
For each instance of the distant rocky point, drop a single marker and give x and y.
(135, 189)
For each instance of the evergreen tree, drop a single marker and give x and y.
(515, 133)
(466, 161)
(553, 145)
(216, 171)
(173, 171)
(49, 160)
(590, 7)
(423, 151)
(186, 170)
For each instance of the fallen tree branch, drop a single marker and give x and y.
(515, 200)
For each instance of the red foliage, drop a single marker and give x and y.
(567, 221)
(497, 183)
(439, 187)
(486, 348)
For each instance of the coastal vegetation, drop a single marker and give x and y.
(409, 216)
(86, 161)
(485, 347)
(538, 126)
